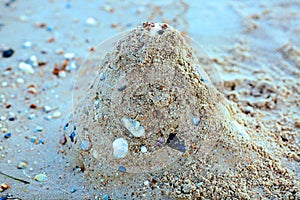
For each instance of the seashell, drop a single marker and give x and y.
(41, 177)
(120, 147)
(133, 126)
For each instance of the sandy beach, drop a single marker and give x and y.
(245, 107)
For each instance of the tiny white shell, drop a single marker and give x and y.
(120, 147)
(133, 126)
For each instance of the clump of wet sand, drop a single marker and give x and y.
(150, 126)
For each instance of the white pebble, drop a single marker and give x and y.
(144, 149)
(33, 61)
(4, 84)
(120, 147)
(69, 56)
(62, 74)
(41, 177)
(146, 183)
(133, 126)
(27, 44)
(20, 80)
(56, 114)
(91, 21)
(47, 109)
(196, 120)
(26, 67)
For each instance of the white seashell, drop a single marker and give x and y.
(120, 147)
(133, 126)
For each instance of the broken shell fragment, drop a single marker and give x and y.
(133, 126)
(120, 147)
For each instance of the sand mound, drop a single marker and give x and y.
(150, 111)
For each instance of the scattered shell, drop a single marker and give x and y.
(22, 165)
(133, 126)
(56, 114)
(26, 67)
(41, 177)
(120, 147)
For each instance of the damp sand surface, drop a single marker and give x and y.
(257, 60)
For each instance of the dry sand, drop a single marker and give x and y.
(257, 60)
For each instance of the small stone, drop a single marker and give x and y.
(22, 165)
(31, 116)
(38, 129)
(123, 87)
(105, 197)
(72, 136)
(196, 120)
(27, 44)
(120, 147)
(133, 126)
(62, 74)
(32, 61)
(73, 190)
(102, 77)
(20, 80)
(146, 183)
(56, 114)
(7, 53)
(122, 169)
(41, 177)
(26, 68)
(47, 109)
(69, 56)
(144, 149)
(85, 145)
(7, 135)
(63, 140)
(91, 21)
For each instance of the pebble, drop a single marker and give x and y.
(85, 145)
(120, 147)
(22, 165)
(7, 135)
(146, 183)
(41, 177)
(69, 56)
(31, 116)
(27, 44)
(38, 129)
(73, 190)
(196, 120)
(72, 136)
(20, 80)
(62, 74)
(133, 126)
(32, 61)
(56, 114)
(63, 140)
(91, 21)
(26, 68)
(144, 149)
(105, 197)
(122, 169)
(7, 53)
(4, 84)
(102, 77)
(47, 109)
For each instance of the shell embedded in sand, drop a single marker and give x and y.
(133, 126)
(120, 147)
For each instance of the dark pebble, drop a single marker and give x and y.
(123, 87)
(7, 53)
(72, 136)
(7, 135)
(11, 119)
(122, 169)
